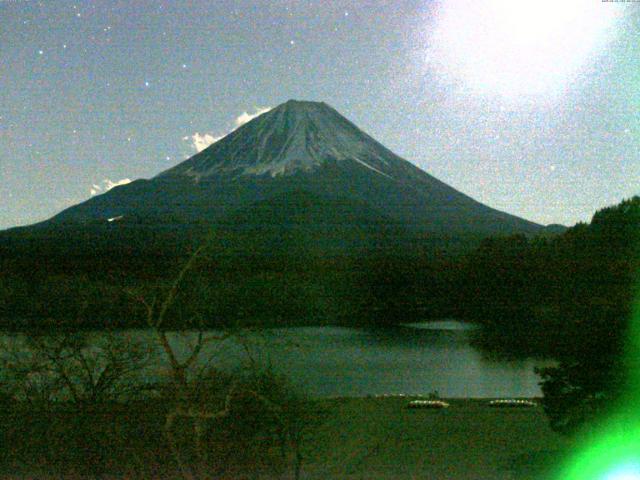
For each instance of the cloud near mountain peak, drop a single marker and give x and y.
(106, 185)
(200, 141)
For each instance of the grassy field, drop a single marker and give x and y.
(380, 438)
(353, 438)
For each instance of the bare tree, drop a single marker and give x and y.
(44, 367)
(186, 389)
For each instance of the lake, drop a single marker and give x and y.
(412, 359)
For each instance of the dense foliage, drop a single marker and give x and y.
(90, 286)
(51, 439)
(558, 295)
(596, 267)
(545, 295)
(569, 297)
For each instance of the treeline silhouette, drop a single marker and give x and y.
(72, 280)
(541, 295)
(561, 295)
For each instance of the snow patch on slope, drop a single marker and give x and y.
(371, 168)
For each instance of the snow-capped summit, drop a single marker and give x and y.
(297, 136)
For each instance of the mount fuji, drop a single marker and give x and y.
(298, 171)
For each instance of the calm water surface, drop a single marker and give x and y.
(411, 359)
(414, 359)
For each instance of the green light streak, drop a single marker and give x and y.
(612, 450)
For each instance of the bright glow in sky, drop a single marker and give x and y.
(517, 48)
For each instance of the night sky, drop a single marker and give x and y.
(529, 107)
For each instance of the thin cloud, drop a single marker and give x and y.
(107, 185)
(200, 141)
(246, 117)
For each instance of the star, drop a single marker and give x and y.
(184, 65)
(292, 42)
(40, 52)
(146, 84)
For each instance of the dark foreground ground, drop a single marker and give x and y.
(380, 438)
(364, 438)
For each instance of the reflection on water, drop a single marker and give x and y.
(442, 325)
(338, 361)
(413, 360)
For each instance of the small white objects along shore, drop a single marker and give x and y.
(428, 404)
(380, 438)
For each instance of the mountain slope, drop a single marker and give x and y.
(312, 221)
(298, 148)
